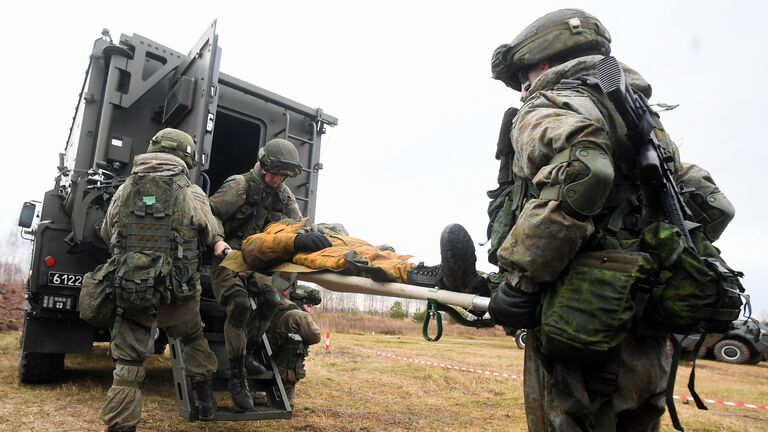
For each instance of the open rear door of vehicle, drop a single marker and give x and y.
(191, 102)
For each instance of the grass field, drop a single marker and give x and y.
(359, 387)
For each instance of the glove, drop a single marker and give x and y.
(514, 307)
(310, 242)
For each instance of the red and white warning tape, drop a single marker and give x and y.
(681, 398)
(686, 399)
(447, 366)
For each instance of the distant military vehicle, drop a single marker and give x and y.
(133, 88)
(745, 343)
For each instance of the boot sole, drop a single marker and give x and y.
(456, 243)
(458, 259)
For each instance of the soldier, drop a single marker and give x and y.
(291, 333)
(560, 127)
(153, 225)
(246, 204)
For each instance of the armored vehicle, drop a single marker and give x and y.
(745, 342)
(134, 87)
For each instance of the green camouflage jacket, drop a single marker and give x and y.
(197, 211)
(230, 205)
(544, 239)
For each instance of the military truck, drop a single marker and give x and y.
(746, 342)
(134, 87)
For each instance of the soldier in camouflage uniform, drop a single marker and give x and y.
(559, 125)
(170, 155)
(246, 204)
(291, 333)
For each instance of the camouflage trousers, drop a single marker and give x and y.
(122, 410)
(290, 378)
(559, 401)
(240, 293)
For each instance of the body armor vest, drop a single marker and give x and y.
(263, 205)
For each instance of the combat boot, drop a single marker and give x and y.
(422, 275)
(457, 263)
(253, 366)
(206, 404)
(238, 385)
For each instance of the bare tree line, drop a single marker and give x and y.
(14, 257)
(353, 303)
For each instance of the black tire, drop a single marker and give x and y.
(732, 351)
(38, 368)
(756, 358)
(520, 337)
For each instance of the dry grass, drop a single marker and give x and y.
(355, 389)
(375, 324)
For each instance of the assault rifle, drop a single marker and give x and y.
(653, 159)
(653, 165)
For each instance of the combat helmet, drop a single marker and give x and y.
(563, 34)
(279, 156)
(306, 295)
(175, 142)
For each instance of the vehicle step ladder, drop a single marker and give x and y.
(270, 400)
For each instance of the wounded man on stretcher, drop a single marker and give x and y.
(277, 249)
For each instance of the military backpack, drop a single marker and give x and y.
(154, 255)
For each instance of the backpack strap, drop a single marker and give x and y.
(671, 384)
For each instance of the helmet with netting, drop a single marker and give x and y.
(560, 35)
(306, 294)
(175, 142)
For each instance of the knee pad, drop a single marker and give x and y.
(238, 310)
(583, 180)
(714, 211)
(268, 304)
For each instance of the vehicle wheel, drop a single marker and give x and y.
(756, 358)
(732, 351)
(37, 368)
(520, 338)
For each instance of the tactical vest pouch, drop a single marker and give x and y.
(97, 295)
(506, 204)
(184, 282)
(587, 315)
(292, 355)
(142, 281)
(695, 292)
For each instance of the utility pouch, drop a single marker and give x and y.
(183, 287)
(142, 281)
(292, 354)
(506, 204)
(587, 315)
(97, 295)
(696, 290)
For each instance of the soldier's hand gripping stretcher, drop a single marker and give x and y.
(291, 246)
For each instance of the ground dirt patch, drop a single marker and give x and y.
(366, 383)
(11, 306)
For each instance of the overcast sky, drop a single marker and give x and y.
(409, 82)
